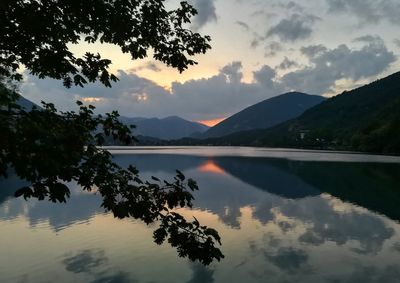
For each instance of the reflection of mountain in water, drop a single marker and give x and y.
(159, 162)
(293, 225)
(373, 186)
(271, 175)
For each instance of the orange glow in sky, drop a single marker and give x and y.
(212, 122)
(210, 167)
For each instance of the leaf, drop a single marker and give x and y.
(180, 175)
(192, 184)
(25, 191)
(155, 179)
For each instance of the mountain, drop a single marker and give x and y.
(168, 128)
(26, 104)
(365, 119)
(265, 114)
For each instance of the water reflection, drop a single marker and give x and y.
(281, 221)
(85, 261)
(201, 274)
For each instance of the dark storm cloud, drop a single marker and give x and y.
(296, 27)
(206, 13)
(368, 11)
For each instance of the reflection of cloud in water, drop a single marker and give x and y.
(323, 223)
(396, 247)
(79, 208)
(283, 237)
(118, 277)
(94, 263)
(225, 195)
(201, 274)
(288, 259)
(371, 274)
(263, 209)
(85, 261)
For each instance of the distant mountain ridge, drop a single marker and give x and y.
(365, 119)
(265, 114)
(26, 104)
(148, 129)
(169, 128)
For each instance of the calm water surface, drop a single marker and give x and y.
(284, 216)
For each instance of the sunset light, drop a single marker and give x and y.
(212, 122)
(211, 167)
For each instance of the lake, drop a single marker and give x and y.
(283, 215)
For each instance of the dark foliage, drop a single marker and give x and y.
(49, 149)
(36, 33)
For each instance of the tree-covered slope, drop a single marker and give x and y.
(364, 119)
(265, 114)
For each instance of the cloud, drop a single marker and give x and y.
(223, 93)
(397, 42)
(206, 98)
(368, 11)
(257, 39)
(232, 72)
(130, 93)
(297, 27)
(146, 66)
(272, 49)
(369, 39)
(206, 13)
(291, 5)
(265, 76)
(243, 25)
(287, 64)
(313, 50)
(329, 65)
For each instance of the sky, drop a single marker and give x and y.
(260, 49)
